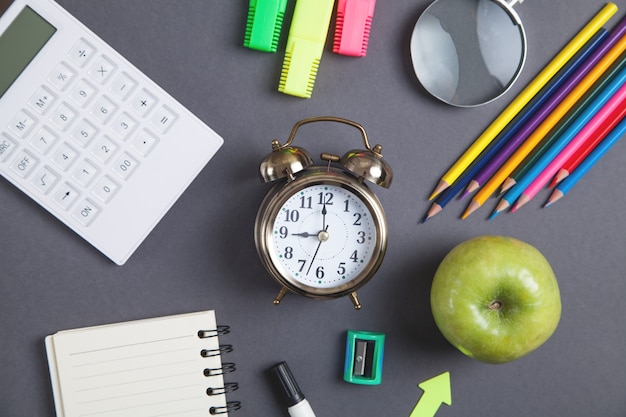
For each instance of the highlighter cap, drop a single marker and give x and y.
(290, 387)
(352, 27)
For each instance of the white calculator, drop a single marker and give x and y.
(87, 135)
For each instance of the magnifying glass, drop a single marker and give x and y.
(468, 52)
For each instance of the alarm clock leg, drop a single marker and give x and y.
(355, 300)
(280, 295)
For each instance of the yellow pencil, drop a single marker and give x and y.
(546, 126)
(525, 96)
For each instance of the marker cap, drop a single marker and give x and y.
(290, 387)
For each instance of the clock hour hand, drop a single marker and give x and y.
(305, 234)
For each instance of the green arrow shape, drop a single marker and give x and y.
(436, 391)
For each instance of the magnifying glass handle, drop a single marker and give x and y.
(512, 3)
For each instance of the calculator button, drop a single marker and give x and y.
(63, 117)
(81, 53)
(104, 149)
(144, 142)
(122, 86)
(102, 69)
(125, 166)
(65, 196)
(85, 173)
(24, 163)
(45, 180)
(22, 123)
(105, 189)
(124, 125)
(86, 212)
(64, 157)
(143, 102)
(84, 133)
(7, 146)
(83, 93)
(163, 119)
(43, 141)
(61, 77)
(41, 100)
(103, 109)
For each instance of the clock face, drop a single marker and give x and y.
(324, 236)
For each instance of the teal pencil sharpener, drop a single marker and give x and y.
(364, 357)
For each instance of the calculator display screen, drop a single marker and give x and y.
(19, 44)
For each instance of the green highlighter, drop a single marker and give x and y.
(265, 21)
(305, 44)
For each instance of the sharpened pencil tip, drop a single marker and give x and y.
(523, 199)
(507, 185)
(473, 206)
(554, 197)
(502, 205)
(434, 209)
(560, 176)
(471, 187)
(440, 187)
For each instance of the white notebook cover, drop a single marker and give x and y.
(135, 369)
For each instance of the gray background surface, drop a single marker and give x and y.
(202, 255)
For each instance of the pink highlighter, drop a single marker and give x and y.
(352, 31)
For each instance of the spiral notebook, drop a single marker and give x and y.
(167, 366)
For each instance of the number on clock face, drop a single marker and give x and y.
(324, 236)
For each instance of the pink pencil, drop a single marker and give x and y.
(614, 109)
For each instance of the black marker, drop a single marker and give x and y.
(297, 405)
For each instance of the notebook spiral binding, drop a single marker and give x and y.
(226, 368)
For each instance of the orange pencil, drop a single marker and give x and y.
(544, 128)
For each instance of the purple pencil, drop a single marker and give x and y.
(507, 150)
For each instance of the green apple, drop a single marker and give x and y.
(495, 298)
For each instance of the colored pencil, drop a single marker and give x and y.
(525, 96)
(613, 112)
(536, 111)
(568, 183)
(567, 120)
(547, 108)
(448, 194)
(589, 112)
(582, 152)
(573, 97)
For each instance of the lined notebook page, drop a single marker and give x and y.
(144, 368)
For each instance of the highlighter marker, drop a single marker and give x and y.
(265, 20)
(305, 44)
(352, 30)
(297, 405)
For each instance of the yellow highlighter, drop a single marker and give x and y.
(305, 44)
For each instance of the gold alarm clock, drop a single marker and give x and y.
(320, 231)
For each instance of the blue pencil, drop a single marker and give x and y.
(447, 195)
(560, 143)
(571, 180)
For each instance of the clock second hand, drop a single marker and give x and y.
(323, 237)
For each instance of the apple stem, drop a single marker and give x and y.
(495, 305)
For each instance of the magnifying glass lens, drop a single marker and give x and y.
(468, 52)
